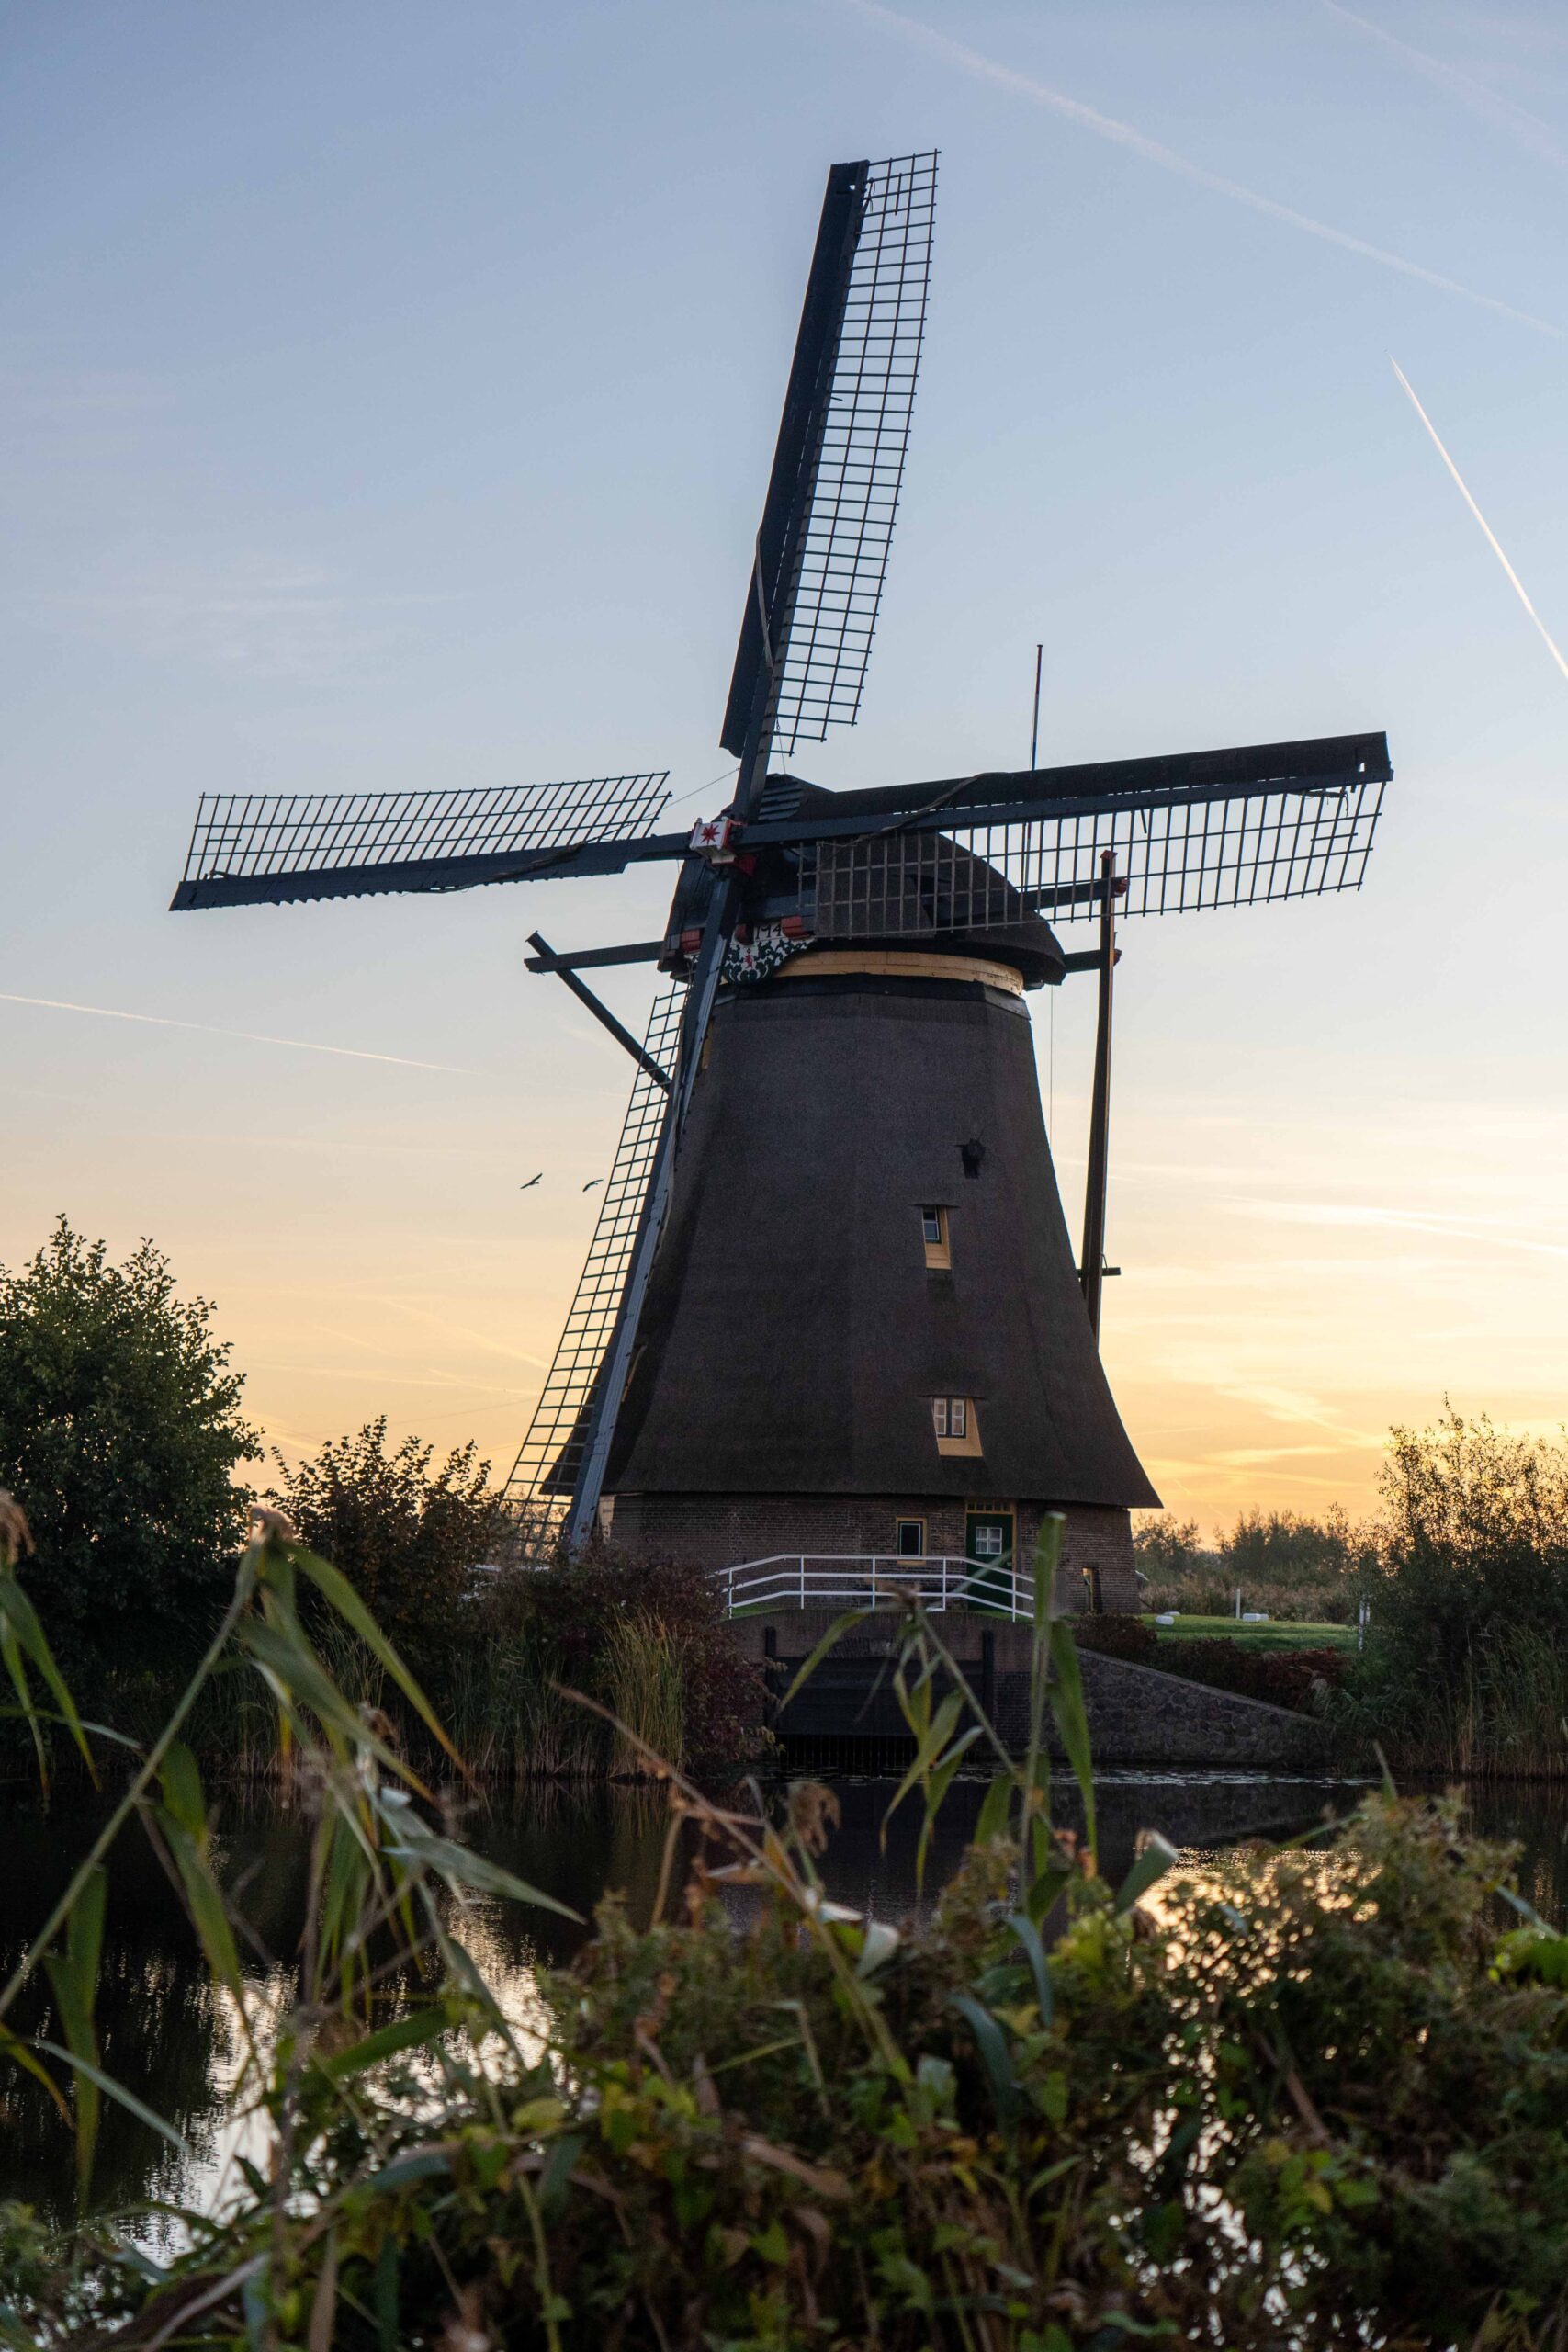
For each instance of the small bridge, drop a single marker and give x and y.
(840, 1580)
(846, 1717)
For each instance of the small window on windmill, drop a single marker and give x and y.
(953, 1422)
(909, 1539)
(934, 1233)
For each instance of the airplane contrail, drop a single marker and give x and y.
(246, 1037)
(1528, 129)
(1491, 536)
(1124, 134)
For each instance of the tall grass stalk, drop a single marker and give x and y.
(512, 1720)
(645, 1679)
(234, 1725)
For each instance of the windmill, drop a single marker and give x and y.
(835, 1074)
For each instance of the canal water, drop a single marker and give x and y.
(168, 2038)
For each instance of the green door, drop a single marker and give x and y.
(989, 1541)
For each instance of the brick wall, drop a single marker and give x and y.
(717, 1531)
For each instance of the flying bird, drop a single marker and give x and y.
(530, 1184)
(591, 1182)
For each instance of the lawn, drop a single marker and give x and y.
(1279, 1634)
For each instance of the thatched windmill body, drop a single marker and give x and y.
(831, 1305)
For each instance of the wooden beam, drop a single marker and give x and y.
(584, 959)
(1093, 1267)
(549, 961)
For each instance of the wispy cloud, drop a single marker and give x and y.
(1152, 151)
(256, 615)
(1200, 1481)
(244, 1036)
(1246, 1457)
(1486, 1232)
(460, 1331)
(394, 1379)
(62, 397)
(1489, 534)
(1528, 129)
(1295, 1408)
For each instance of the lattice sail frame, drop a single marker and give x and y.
(280, 834)
(838, 585)
(1178, 853)
(537, 1494)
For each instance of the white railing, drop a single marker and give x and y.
(872, 1580)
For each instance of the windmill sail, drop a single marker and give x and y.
(860, 470)
(252, 849)
(539, 1491)
(826, 526)
(1178, 851)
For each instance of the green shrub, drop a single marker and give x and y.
(646, 1641)
(1114, 1636)
(410, 1536)
(598, 1624)
(1296, 1679)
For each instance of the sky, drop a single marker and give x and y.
(388, 394)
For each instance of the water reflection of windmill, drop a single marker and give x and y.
(830, 1305)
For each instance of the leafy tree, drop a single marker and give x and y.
(1167, 1547)
(1469, 1586)
(407, 1535)
(120, 1431)
(1290, 1547)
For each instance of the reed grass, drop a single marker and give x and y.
(511, 1718)
(645, 1684)
(1503, 1716)
(508, 1704)
(234, 1725)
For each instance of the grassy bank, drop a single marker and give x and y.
(1285, 1635)
(1291, 1667)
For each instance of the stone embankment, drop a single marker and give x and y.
(1137, 1715)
